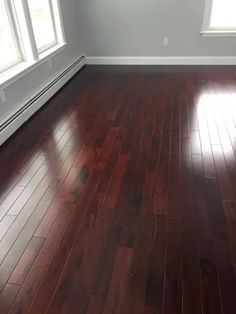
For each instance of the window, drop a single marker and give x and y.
(29, 31)
(220, 17)
(43, 23)
(9, 50)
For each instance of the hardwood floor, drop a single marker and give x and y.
(120, 196)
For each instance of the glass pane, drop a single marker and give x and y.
(42, 21)
(223, 14)
(8, 51)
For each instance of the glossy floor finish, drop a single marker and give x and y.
(120, 196)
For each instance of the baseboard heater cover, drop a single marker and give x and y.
(16, 120)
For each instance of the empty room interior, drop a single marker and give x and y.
(118, 156)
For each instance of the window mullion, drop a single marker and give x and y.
(53, 19)
(14, 28)
(34, 50)
(207, 14)
(58, 20)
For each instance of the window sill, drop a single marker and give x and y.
(21, 69)
(218, 33)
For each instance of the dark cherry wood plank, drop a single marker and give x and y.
(31, 284)
(8, 296)
(122, 199)
(27, 259)
(120, 277)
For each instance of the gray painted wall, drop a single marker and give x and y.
(24, 88)
(137, 27)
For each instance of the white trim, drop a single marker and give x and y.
(14, 29)
(30, 30)
(57, 12)
(206, 15)
(23, 22)
(217, 33)
(14, 34)
(25, 115)
(196, 60)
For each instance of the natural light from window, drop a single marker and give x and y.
(8, 49)
(43, 24)
(223, 14)
(30, 32)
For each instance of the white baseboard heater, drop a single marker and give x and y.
(18, 118)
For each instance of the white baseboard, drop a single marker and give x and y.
(230, 60)
(17, 119)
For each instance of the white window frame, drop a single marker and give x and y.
(208, 31)
(29, 56)
(56, 29)
(15, 35)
